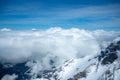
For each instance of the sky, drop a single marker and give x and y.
(44, 14)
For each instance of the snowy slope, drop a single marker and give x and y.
(105, 66)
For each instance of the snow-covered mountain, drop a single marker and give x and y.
(103, 66)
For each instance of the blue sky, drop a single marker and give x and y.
(43, 14)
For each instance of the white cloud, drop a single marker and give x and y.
(9, 77)
(53, 44)
(34, 29)
(5, 29)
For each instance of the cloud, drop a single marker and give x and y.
(5, 29)
(55, 44)
(9, 77)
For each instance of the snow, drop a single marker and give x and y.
(76, 66)
(95, 75)
(117, 75)
(39, 79)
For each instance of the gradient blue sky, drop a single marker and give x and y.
(43, 14)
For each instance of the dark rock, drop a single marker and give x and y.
(110, 58)
(18, 69)
(109, 55)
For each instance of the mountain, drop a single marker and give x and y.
(103, 66)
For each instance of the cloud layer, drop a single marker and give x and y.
(55, 44)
